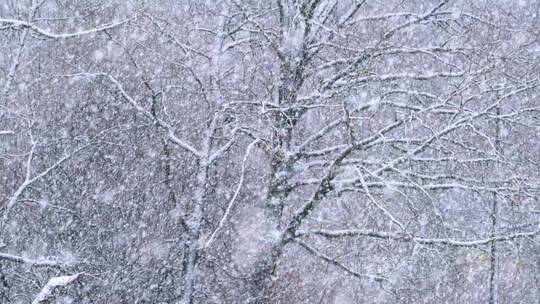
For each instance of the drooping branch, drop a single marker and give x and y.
(170, 131)
(14, 23)
(339, 265)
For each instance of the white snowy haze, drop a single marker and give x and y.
(269, 151)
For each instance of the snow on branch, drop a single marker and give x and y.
(30, 180)
(339, 265)
(170, 131)
(32, 263)
(23, 24)
(324, 187)
(6, 132)
(233, 199)
(420, 240)
(55, 282)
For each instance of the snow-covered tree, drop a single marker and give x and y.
(284, 151)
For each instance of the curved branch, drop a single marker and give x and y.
(27, 25)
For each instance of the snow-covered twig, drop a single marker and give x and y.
(339, 265)
(233, 199)
(170, 132)
(324, 187)
(46, 33)
(55, 282)
(29, 180)
(419, 240)
(32, 263)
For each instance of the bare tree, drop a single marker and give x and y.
(287, 151)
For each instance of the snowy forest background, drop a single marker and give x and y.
(283, 151)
